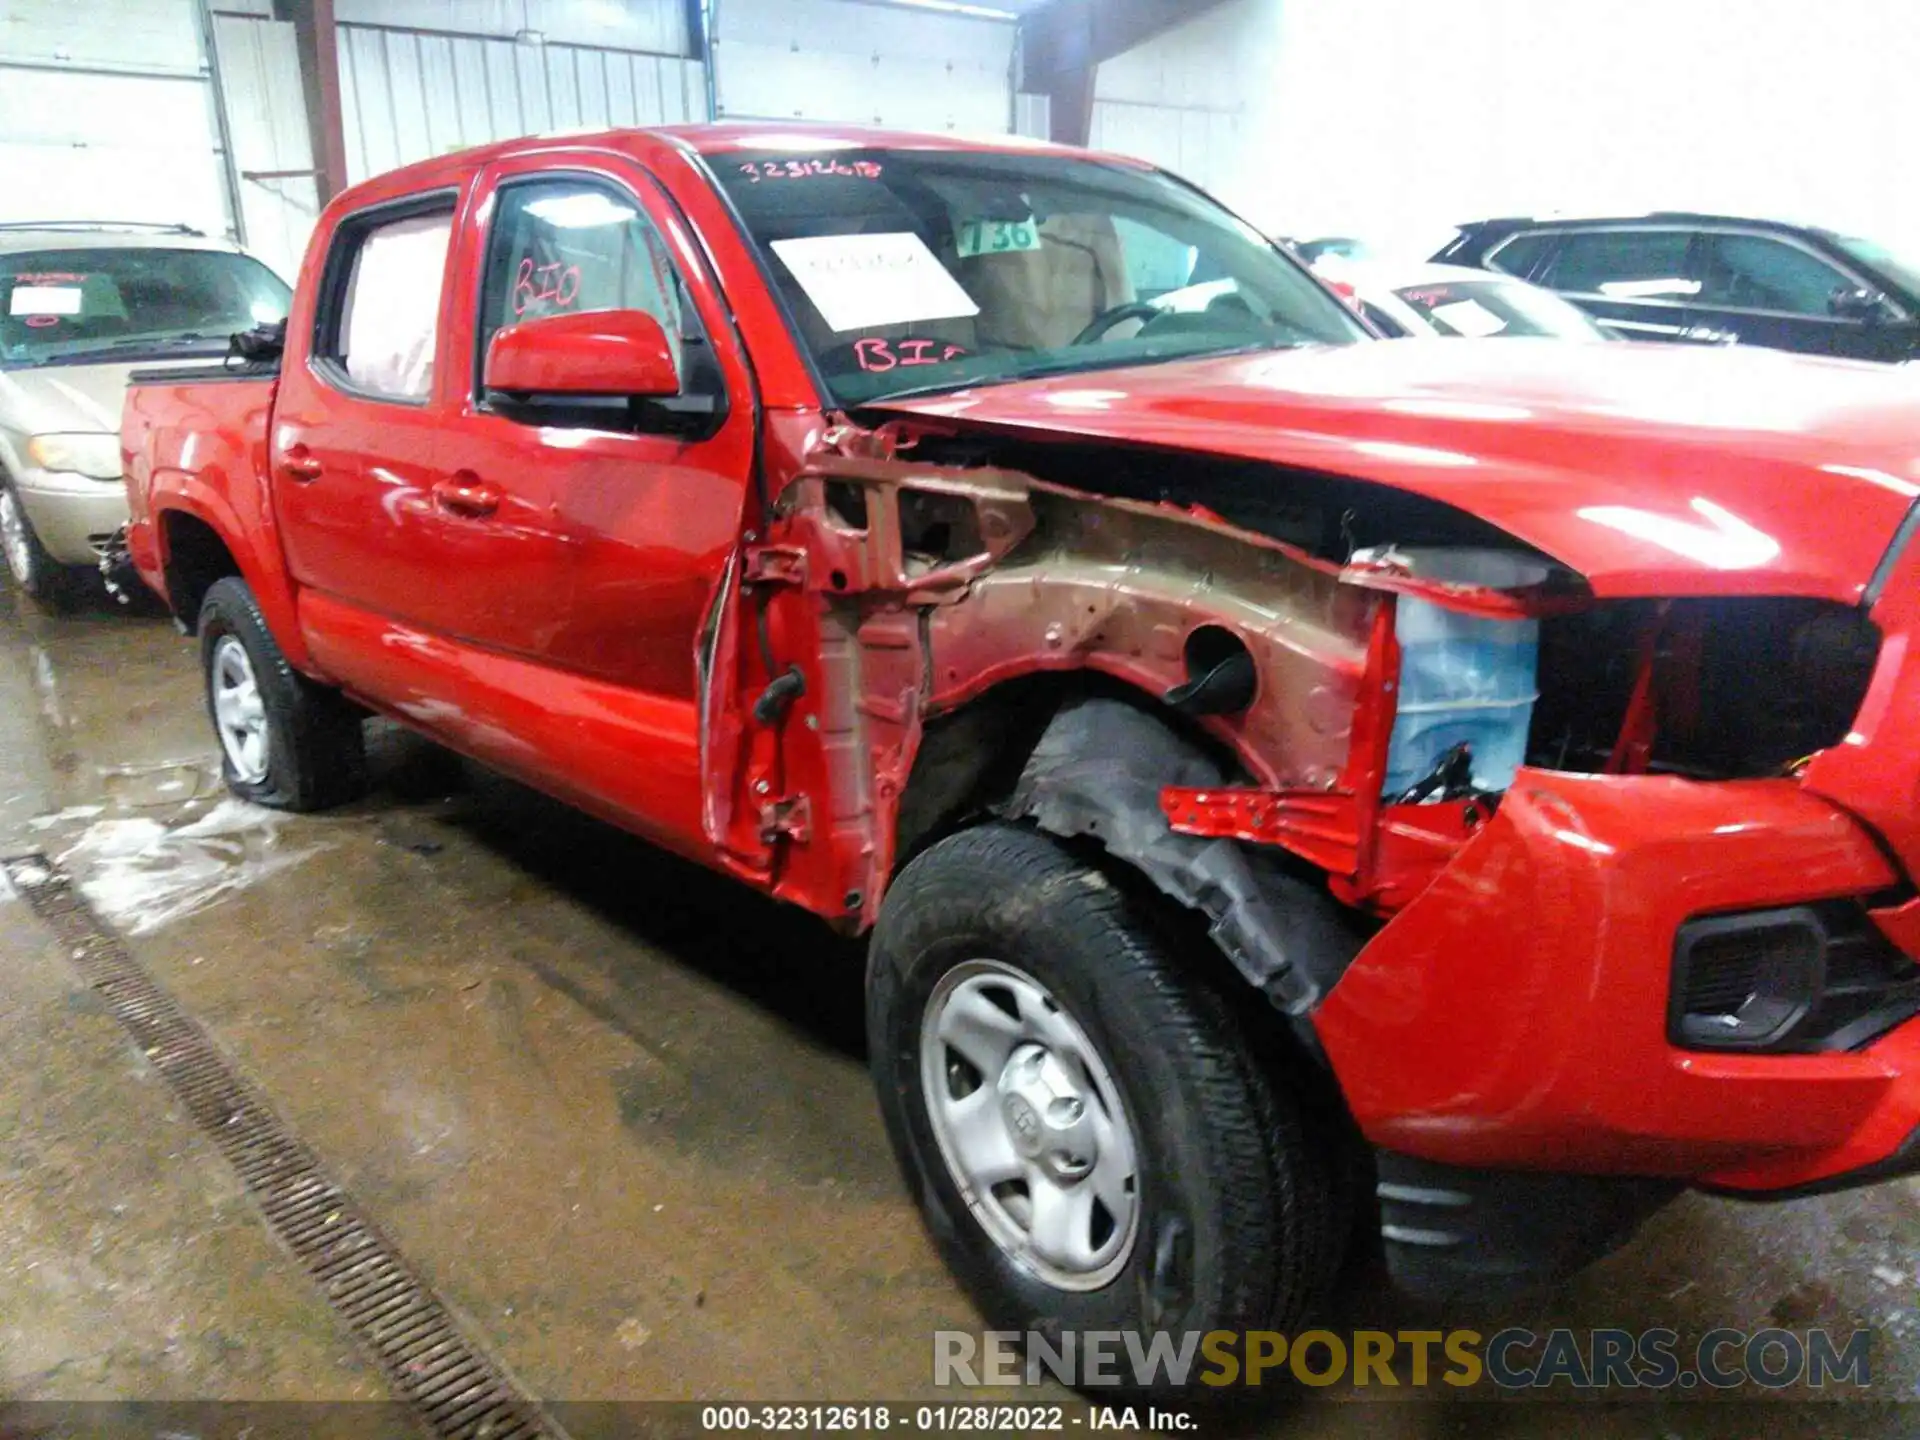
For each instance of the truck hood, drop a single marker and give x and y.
(1651, 470)
(69, 398)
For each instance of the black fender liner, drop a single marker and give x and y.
(1097, 773)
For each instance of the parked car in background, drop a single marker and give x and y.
(1713, 279)
(80, 305)
(1457, 302)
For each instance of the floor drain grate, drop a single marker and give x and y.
(449, 1380)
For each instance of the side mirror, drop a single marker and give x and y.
(1848, 303)
(612, 353)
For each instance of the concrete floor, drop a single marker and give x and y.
(614, 1109)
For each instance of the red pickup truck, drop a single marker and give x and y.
(1298, 785)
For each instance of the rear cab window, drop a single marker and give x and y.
(377, 333)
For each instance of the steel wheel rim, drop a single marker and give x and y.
(1030, 1125)
(239, 711)
(14, 540)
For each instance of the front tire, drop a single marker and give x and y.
(1146, 1172)
(43, 578)
(284, 740)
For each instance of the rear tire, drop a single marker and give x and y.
(1231, 1202)
(43, 578)
(284, 740)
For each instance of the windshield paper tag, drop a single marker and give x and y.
(1469, 317)
(980, 236)
(45, 300)
(858, 282)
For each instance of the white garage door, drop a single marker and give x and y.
(106, 113)
(902, 67)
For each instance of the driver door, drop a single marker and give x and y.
(579, 549)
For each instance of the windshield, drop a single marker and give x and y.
(1477, 308)
(1903, 270)
(908, 270)
(71, 306)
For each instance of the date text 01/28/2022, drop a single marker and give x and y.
(961, 1418)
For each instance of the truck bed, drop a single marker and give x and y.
(198, 435)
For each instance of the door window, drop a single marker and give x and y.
(1625, 265)
(1753, 272)
(565, 246)
(386, 322)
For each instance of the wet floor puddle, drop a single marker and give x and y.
(139, 872)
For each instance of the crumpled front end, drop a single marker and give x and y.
(1645, 974)
(1670, 939)
(1683, 942)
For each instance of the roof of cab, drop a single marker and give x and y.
(726, 137)
(733, 137)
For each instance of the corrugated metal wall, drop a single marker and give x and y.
(106, 113)
(870, 64)
(429, 78)
(1180, 100)
(267, 122)
(655, 26)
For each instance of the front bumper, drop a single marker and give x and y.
(74, 515)
(1513, 1016)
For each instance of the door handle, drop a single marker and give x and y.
(466, 494)
(299, 463)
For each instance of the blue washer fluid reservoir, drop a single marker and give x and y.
(1463, 677)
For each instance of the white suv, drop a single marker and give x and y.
(81, 304)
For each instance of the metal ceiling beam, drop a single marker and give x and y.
(317, 42)
(1062, 43)
(694, 16)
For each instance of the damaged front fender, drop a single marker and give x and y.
(926, 590)
(1097, 773)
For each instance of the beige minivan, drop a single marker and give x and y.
(82, 304)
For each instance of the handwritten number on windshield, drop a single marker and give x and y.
(756, 171)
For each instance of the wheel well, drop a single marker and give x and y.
(970, 759)
(1084, 760)
(196, 557)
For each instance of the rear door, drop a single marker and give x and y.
(356, 429)
(1638, 281)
